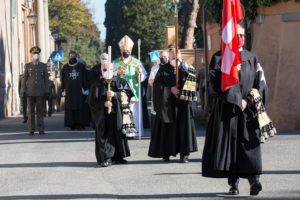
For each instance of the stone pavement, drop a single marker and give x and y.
(62, 165)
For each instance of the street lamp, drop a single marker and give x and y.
(32, 18)
(55, 35)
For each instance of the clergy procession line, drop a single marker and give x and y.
(109, 94)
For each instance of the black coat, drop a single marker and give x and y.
(110, 141)
(173, 129)
(232, 143)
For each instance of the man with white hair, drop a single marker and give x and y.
(96, 70)
(111, 116)
(129, 68)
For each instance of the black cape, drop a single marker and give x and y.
(173, 126)
(73, 80)
(232, 144)
(110, 141)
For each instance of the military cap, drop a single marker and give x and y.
(35, 50)
(171, 47)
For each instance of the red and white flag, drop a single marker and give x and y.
(232, 14)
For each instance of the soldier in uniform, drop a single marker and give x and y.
(36, 88)
(23, 100)
(128, 67)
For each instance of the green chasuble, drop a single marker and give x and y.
(132, 76)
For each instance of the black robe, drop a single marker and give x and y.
(73, 79)
(232, 143)
(173, 127)
(110, 141)
(95, 74)
(86, 114)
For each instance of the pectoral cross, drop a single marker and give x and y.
(74, 74)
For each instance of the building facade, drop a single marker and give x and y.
(16, 39)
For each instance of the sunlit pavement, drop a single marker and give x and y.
(62, 165)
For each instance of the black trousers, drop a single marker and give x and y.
(233, 181)
(35, 104)
(24, 107)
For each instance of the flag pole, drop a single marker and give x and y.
(140, 103)
(176, 39)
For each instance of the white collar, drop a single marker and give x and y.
(126, 60)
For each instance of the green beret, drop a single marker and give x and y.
(35, 50)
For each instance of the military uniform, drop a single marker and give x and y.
(23, 100)
(50, 99)
(36, 87)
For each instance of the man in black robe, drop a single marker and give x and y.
(111, 144)
(96, 70)
(232, 144)
(73, 84)
(174, 129)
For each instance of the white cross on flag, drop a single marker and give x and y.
(232, 14)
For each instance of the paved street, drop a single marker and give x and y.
(62, 165)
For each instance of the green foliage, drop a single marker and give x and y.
(144, 19)
(73, 20)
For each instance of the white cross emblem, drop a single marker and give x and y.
(74, 74)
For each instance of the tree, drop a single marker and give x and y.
(144, 19)
(114, 21)
(73, 20)
(191, 8)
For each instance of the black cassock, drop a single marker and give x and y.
(73, 80)
(173, 128)
(86, 114)
(232, 143)
(110, 141)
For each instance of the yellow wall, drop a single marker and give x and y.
(277, 45)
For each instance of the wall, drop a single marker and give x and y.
(276, 43)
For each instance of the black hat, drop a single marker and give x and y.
(35, 50)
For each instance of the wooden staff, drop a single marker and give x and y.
(176, 2)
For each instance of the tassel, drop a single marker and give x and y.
(265, 134)
(272, 133)
(262, 139)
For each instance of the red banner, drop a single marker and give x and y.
(232, 14)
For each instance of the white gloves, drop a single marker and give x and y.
(85, 92)
(63, 93)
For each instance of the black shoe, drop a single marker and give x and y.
(184, 158)
(255, 188)
(106, 163)
(233, 191)
(31, 133)
(49, 115)
(24, 120)
(166, 159)
(41, 133)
